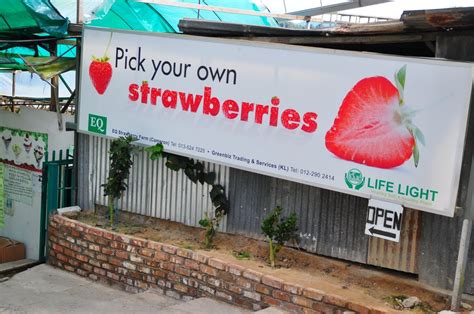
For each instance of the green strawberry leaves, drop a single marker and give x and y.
(407, 114)
(400, 78)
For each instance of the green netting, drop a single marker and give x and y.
(31, 16)
(128, 14)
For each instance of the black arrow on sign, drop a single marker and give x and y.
(382, 233)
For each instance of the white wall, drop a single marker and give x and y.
(22, 223)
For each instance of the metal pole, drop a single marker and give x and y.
(79, 13)
(461, 264)
(464, 243)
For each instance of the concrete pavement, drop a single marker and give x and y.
(45, 289)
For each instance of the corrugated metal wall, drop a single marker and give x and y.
(402, 255)
(330, 223)
(153, 189)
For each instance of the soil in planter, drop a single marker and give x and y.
(356, 281)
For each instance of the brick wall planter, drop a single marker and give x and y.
(136, 265)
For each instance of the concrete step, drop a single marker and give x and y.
(10, 267)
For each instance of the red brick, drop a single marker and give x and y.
(161, 256)
(184, 253)
(233, 288)
(302, 301)
(90, 237)
(135, 258)
(324, 308)
(174, 277)
(314, 294)
(115, 261)
(244, 283)
(292, 288)
(138, 242)
(167, 266)
(217, 263)
(94, 262)
(122, 271)
(121, 254)
(146, 252)
(253, 295)
(99, 271)
(154, 245)
(87, 267)
(201, 258)
(108, 235)
(64, 243)
(113, 276)
(190, 282)
(334, 300)
(121, 238)
(168, 249)
(310, 311)
(102, 257)
(107, 266)
(131, 248)
(252, 275)
(272, 281)
(182, 271)
(191, 264)
(141, 285)
(82, 243)
(129, 265)
(75, 233)
(235, 269)
(107, 251)
(262, 289)
(208, 270)
(271, 301)
(143, 269)
(69, 268)
(358, 308)
(62, 258)
(74, 263)
(224, 296)
(213, 281)
(118, 245)
(81, 272)
(180, 288)
(177, 259)
(94, 247)
(280, 295)
(57, 248)
(158, 273)
(95, 232)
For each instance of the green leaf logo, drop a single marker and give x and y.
(354, 179)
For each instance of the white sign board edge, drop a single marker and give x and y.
(460, 140)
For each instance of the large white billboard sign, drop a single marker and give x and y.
(383, 127)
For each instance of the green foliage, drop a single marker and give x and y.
(241, 255)
(120, 155)
(195, 171)
(156, 151)
(279, 230)
(210, 225)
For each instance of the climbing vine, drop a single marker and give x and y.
(195, 171)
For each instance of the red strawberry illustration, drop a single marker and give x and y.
(100, 72)
(373, 126)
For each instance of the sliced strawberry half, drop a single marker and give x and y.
(100, 72)
(373, 127)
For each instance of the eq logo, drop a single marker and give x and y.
(97, 124)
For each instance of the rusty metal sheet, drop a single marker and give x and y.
(402, 255)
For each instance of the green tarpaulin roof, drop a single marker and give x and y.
(38, 20)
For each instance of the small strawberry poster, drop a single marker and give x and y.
(382, 127)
